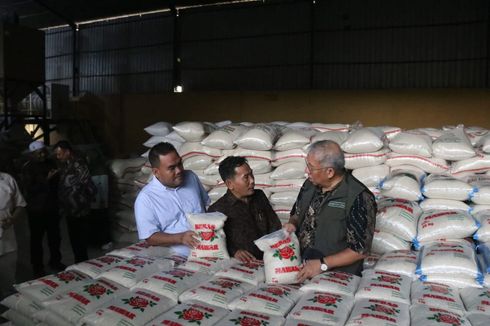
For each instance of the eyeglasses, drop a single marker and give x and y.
(311, 168)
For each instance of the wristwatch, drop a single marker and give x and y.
(323, 266)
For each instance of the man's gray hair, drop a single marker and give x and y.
(329, 154)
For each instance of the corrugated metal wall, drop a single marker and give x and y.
(341, 44)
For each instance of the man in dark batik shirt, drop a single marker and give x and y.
(334, 215)
(75, 194)
(250, 215)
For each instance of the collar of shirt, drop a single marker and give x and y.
(232, 200)
(156, 183)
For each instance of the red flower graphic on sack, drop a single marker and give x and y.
(224, 283)
(384, 309)
(389, 279)
(251, 265)
(286, 252)
(107, 260)
(438, 289)
(249, 321)
(446, 319)
(208, 236)
(66, 277)
(180, 274)
(139, 303)
(193, 315)
(143, 244)
(137, 262)
(277, 291)
(96, 290)
(341, 276)
(326, 300)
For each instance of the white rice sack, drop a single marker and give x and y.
(481, 186)
(211, 169)
(282, 258)
(133, 270)
(427, 164)
(356, 161)
(212, 239)
(384, 242)
(370, 261)
(199, 162)
(141, 248)
(218, 292)
(323, 308)
(444, 187)
(223, 138)
(190, 131)
(96, 266)
(243, 317)
(333, 282)
(282, 212)
(84, 299)
(292, 170)
(422, 315)
(159, 129)
(287, 185)
(412, 144)
(373, 175)
(249, 272)
(261, 137)
(250, 154)
(153, 140)
(50, 286)
(217, 192)
(477, 164)
(483, 233)
(448, 258)
(21, 304)
(17, 318)
(292, 155)
(476, 300)
(121, 167)
(286, 198)
(398, 217)
(478, 319)
(475, 209)
(135, 308)
(484, 143)
(260, 166)
(208, 180)
(437, 295)
(298, 125)
(191, 149)
(172, 283)
(337, 136)
(444, 204)
(274, 300)
(373, 312)
(402, 262)
(384, 286)
(447, 224)
(434, 133)
(336, 127)
(402, 187)
(126, 219)
(364, 140)
(412, 170)
(457, 281)
(453, 145)
(295, 138)
(207, 265)
(390, 131)
(263, 180)
(475, 134)
(190, 314)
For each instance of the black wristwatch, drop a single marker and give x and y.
(323, 266)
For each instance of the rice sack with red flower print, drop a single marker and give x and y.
(49, 286)
(95, 267)
(271, 299)
(477, 300)
(212, 239)
(251, 272)
(207, 265)
(134, 308)
(422, 315)
(84, 299)
(437, 295)
(282, 257)
(375, 312)
(190, 314)
(333, 282)
(384, 286)
(250, 318)
(21, 305)
(141, 248)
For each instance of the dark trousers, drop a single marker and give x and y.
(78, 232)
(41, 223)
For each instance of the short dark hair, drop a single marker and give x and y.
(228, 165)
(157, 150)
(63, 144)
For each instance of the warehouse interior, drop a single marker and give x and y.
(100, 73)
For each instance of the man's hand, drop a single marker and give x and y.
(189, 238)
(6, 223)
(244, 256)
(289, 227)
(308, 270)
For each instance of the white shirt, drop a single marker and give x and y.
(162, 209)
(10, 198)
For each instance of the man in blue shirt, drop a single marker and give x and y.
(161, 206)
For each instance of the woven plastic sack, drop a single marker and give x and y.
(153, 140)
(133, 270)
(17, 318)
(217, 192)
(218, 292)
(141, 248)
(356, 161)
(260, 166)
(49, 286)
(281, 256)
(428, 205)
(263, 180)
(21, 304)
(207, 265)
(437, 295)
(373, 175)
(199, 162)
(243, 317)
(325, 127)
(478, 319)
(477, 164)
(374, 312)
(453, 145)
(402, 262)
(274, 300)
(412, 170)
(224, 137)
(364, 140)
(84, 299)
(249, 272)
(446, 224)
(249, 154)
(482, 184)
(135, 308)
(427, 164)
(95, 267)
(333, 282)
(191, 149)
(293, 138)
(476, 300)
(261, 137)
(287, 185)
(398, 217)
(337, 136)
(422, 315)
(207, 181)
(412, 144)
(384, 242)
(434, 133)
(121, 167)
(459, 281)
(384, 286)
(323, 308)
(171, 284)
(212, 239)
(286, 198)
(292, 170)
(401, 186)
(483, 233)
(390, 131)
(190, 314)
(190, 131)
(160, 128)
(443, 187)
(475, 134)
(292, 155)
